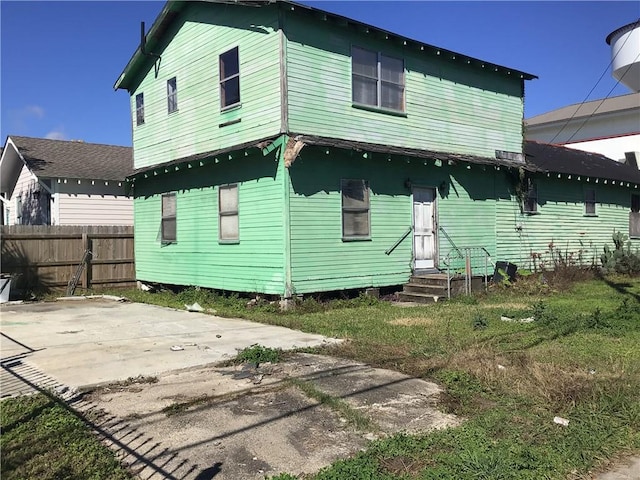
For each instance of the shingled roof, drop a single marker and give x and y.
(74, 159)
(549, 158)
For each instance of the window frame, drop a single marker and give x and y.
(229, 213)
(139, 109)
(590, 203)
(531, 195)
(167, 217)
(222, 81)
(380, 83)
(347, 209)
(172, 95)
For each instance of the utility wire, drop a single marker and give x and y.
(602, 101)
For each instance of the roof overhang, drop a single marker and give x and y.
(172, 9)
(11, 164)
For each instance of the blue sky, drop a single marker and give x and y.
(59, 60)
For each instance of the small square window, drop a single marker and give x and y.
(229, 65)
(590, 202)
(172, 95)
(228, 219)
(169, 218)
(355, 209)
(530, 201)
(139, 109)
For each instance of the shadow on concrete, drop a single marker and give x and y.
(136, 451)
(146, 456)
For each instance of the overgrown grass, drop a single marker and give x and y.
(579, 360)
(44, 440)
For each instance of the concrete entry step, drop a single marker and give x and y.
(418, 297)
(429, 288)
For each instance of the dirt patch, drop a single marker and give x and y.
(241, 430)
(413, 321)
(509, 305)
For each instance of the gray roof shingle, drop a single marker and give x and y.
(545, 157)
(74, 159)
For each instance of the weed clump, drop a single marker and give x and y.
(259, 354)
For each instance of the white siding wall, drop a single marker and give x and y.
(25, 185)
(98, 204)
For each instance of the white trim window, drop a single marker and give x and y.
(356, 223)
(169, 215)
(140, 109)
(172, 95)
(228, 218)
(377, 80)
(590, 202)
(229, 66)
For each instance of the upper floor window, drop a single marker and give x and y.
(229, 78)
(139, 109)
(355, 209)
(172, 95)
(377, 80)
(590, 202)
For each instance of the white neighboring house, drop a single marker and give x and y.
(60, 182)
(610, 127)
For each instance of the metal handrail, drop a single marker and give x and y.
(468, 254)
(446, 235)
(398, 242)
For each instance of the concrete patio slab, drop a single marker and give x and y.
(85, 343)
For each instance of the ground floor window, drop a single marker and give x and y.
(228, 220)
(355, 209)
(530, 201)
(634, 217)
(590, 202)
(169, 218)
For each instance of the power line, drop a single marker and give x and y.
(602, 101)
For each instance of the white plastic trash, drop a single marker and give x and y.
(5, 287)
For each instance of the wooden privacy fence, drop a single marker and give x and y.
(45, 257)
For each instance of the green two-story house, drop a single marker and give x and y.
(283, 149)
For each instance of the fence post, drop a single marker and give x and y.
(86, 246)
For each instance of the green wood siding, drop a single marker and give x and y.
(561, 219)
(450, 107)
(321, 260)
(254, 264)
(201, 34)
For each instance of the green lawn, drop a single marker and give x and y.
(43, 439)
(579, 360)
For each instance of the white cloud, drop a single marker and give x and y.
(33, 111)
(56, 134)
(20, 118)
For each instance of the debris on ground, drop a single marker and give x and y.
(522, 320)
(196, 307)
(176, 348)
(561, 421)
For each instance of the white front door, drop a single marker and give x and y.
(424, 227)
